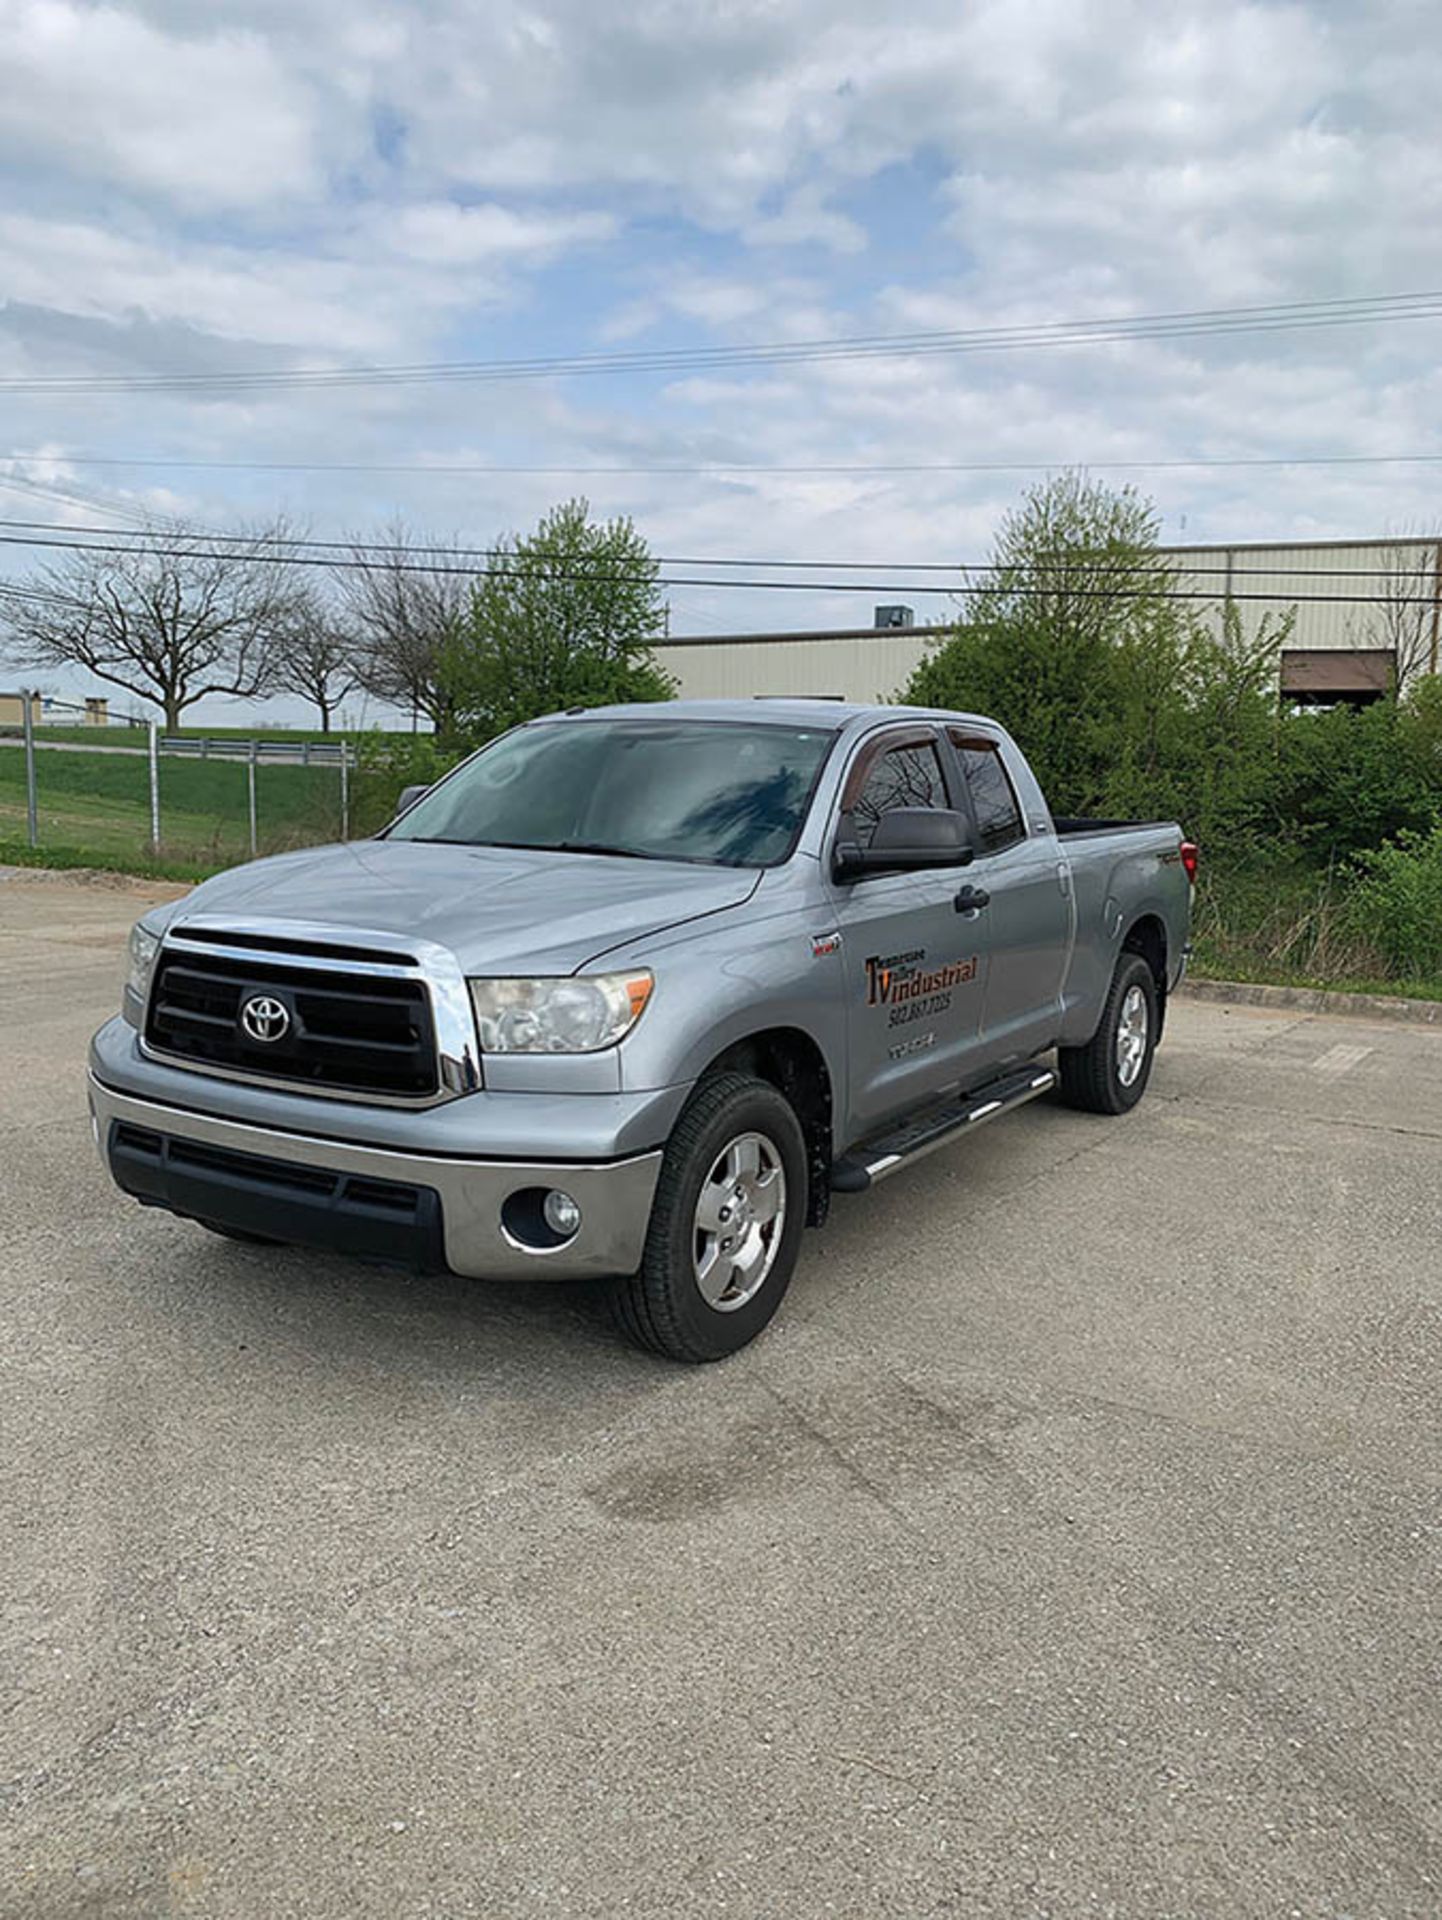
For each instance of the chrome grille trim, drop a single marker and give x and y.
(421, 962)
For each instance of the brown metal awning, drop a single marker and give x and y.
(1335, 673)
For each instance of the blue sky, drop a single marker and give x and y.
(307, 182)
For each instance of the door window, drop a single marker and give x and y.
(903, 776)
(993, 798)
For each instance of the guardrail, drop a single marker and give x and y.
(308, 752)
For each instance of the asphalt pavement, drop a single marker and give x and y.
(1069, 1546)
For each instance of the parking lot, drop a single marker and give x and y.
(1068, 1546)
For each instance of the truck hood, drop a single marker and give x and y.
(500, 911)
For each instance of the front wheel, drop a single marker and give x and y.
(725, 1227)
(1110, 1073)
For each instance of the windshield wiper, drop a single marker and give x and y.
(600, 846)
(556, 846)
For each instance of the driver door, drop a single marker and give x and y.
(915, 966)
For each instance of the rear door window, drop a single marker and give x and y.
(993, 798)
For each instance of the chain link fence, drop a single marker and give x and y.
(201, 802)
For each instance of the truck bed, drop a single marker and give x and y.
(1073, 826)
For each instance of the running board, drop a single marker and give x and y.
(888, 1153)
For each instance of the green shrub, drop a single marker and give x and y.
(386, 763)
(1395, 903)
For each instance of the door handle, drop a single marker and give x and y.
(971, 898)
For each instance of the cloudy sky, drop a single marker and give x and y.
(204, 186)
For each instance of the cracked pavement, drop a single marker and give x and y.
(1069, 1545)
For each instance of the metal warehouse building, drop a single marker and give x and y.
(1367, 614)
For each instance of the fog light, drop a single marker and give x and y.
(562, 1214)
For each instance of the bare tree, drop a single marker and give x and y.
(317, 655)
(408, 601)
(1405, 617)
(178, 615)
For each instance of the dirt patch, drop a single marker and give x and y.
(92, 877)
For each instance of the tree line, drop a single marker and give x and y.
(1320, 831)
(562, 616)
(1322, 848)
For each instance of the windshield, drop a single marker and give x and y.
(727, 794)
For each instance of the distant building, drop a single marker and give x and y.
(1367, 616)
(12, 709)
(1367, 611)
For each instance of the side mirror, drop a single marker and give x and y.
(409, 797)
(906, 840)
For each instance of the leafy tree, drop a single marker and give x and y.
(1073, 639)
(1396, 903)
(388, 763)
(1208, 755)
(177, 616)
(565, 617)
(1351, 779)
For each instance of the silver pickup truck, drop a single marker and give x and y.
(631, 992)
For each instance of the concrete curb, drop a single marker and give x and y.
(1359, 1006)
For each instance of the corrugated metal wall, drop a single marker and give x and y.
(1348, 594)
(874, 667)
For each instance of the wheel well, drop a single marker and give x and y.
(1148, 937)
(795, 1065)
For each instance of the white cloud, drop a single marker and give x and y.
(440, 233)
(392, 179)
(214, 121)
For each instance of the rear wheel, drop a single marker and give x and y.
(1110, 1073)
(725, 1227)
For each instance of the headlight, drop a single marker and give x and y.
(141, 958)
(579, 1014)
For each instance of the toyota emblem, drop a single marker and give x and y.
(265, 1018)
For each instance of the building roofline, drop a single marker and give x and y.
(1305, 546)
(809, 633)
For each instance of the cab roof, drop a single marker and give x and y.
(793, 710)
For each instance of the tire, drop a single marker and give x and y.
(235, 1233)
(734, 1131)
(1106, 1076)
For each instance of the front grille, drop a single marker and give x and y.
(347, 1032)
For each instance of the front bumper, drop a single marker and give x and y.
(421, 1210)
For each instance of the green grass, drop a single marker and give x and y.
(1277, 921)
(16, 853)
(98, 806)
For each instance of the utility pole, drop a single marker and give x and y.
(1436, 605)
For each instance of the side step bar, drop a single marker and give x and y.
(887, 1153)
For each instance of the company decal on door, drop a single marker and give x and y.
(909, 989)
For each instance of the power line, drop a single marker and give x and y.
(870, 587)
(1188, 324)
(471, 469)
(294, 547)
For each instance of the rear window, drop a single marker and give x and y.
(993, 798)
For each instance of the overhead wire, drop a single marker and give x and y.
(186, 543)
(960, 586)
(1191, 323)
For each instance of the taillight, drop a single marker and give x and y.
(1189, 859)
